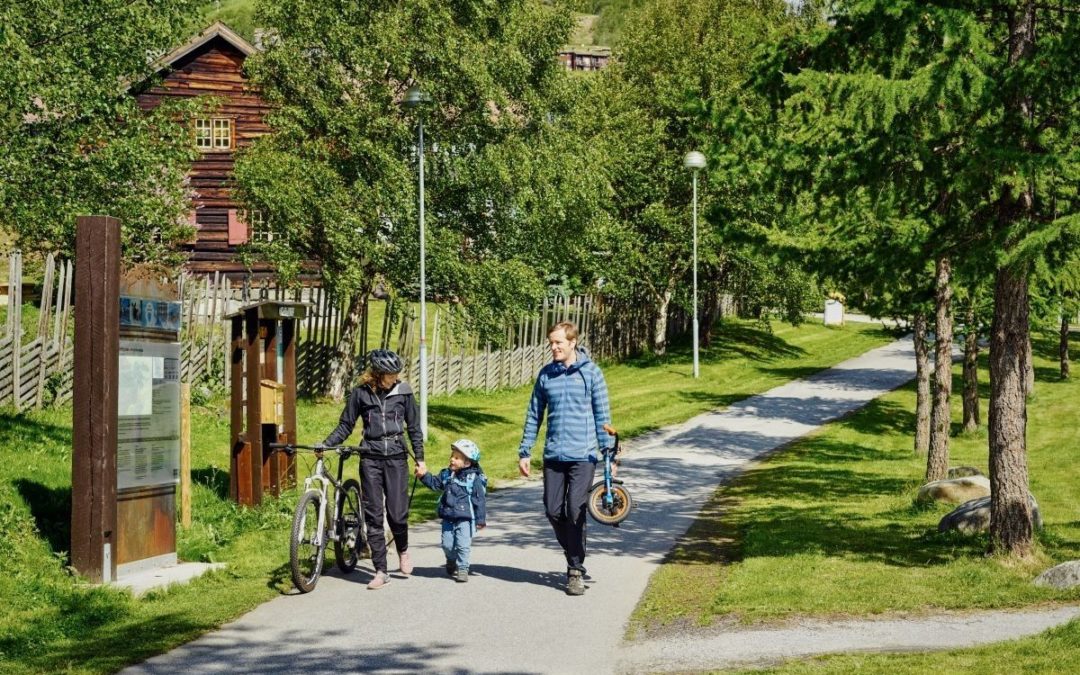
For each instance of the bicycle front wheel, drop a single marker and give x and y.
(349, 526)
(610, 512)
(308, 546)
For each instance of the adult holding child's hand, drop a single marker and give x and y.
(572, 392)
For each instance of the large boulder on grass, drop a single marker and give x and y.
(973, 516)
(962, 471)
(955, 490)
(1063, 576)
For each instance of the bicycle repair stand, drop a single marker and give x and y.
(263, 409)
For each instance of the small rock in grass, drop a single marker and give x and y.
(973, 516)
(1063, 576)
(956, 490)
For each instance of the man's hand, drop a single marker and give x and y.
(480, 527)
(610, 430)
(524, 466)
(421, 469)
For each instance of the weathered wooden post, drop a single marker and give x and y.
(93, 459)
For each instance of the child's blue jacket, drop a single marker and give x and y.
(454, 504)
(576, 401)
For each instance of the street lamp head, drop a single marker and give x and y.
(415, 98)
(694, 160)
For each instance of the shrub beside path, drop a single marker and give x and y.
(512, 616)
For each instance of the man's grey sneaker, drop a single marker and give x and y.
(461, 575)
(451, 567)
(380, 580)
(575, 584)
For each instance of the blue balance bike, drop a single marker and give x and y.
(609, 500)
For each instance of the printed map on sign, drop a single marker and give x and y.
(148, 425)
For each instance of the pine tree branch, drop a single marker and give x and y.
(1059, 8)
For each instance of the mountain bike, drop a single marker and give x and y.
(609, 501)
(313, 527)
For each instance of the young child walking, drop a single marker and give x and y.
(463, 505)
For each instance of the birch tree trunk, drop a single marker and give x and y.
(339, 374)
(659, 342)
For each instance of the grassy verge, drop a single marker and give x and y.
(829, 527)
(49, 622)
(1054, 651)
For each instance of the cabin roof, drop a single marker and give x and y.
(214, 30)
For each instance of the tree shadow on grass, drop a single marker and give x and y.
(213, 478)
(731, 341)
(51, 510)
(459, 420)
(817, 504)
(713, 400)
(16, 428)
(1046, 374)
(881, 417)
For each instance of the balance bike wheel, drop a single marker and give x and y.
(621, 504)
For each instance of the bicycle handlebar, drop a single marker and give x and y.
(291, 448)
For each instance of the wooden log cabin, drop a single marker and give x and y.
(212, 64)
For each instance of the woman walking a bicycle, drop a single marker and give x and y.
(387, 408)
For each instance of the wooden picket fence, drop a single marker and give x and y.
(35, 361)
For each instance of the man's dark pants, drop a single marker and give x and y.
(385, 479)
(566, 494)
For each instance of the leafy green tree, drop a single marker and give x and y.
(511, 191)
(959, 116)
(74, 142)
(673, 56)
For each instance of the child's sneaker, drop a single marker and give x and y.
(406, 563)
(575, 584)
(461, 575)
(380, 580)
(451, 567)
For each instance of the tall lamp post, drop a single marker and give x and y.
(695, 161)
(415, 100)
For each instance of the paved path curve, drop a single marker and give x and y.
(512, 617)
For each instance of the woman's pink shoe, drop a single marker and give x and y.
(406, 563)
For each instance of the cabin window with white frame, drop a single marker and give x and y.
(260, 228)
(213, 133)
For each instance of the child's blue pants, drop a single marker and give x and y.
(457, 541)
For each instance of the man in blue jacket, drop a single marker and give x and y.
(571, 389)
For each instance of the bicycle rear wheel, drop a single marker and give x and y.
(613, 513)
(307, 547)
(349, 526)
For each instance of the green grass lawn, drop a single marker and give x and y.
(1054, 651)
(49, 622)
(828, 526)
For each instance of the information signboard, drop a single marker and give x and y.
(148, 429)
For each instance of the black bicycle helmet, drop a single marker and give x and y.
(384, 361)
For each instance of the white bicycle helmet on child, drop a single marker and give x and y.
(467, 448)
